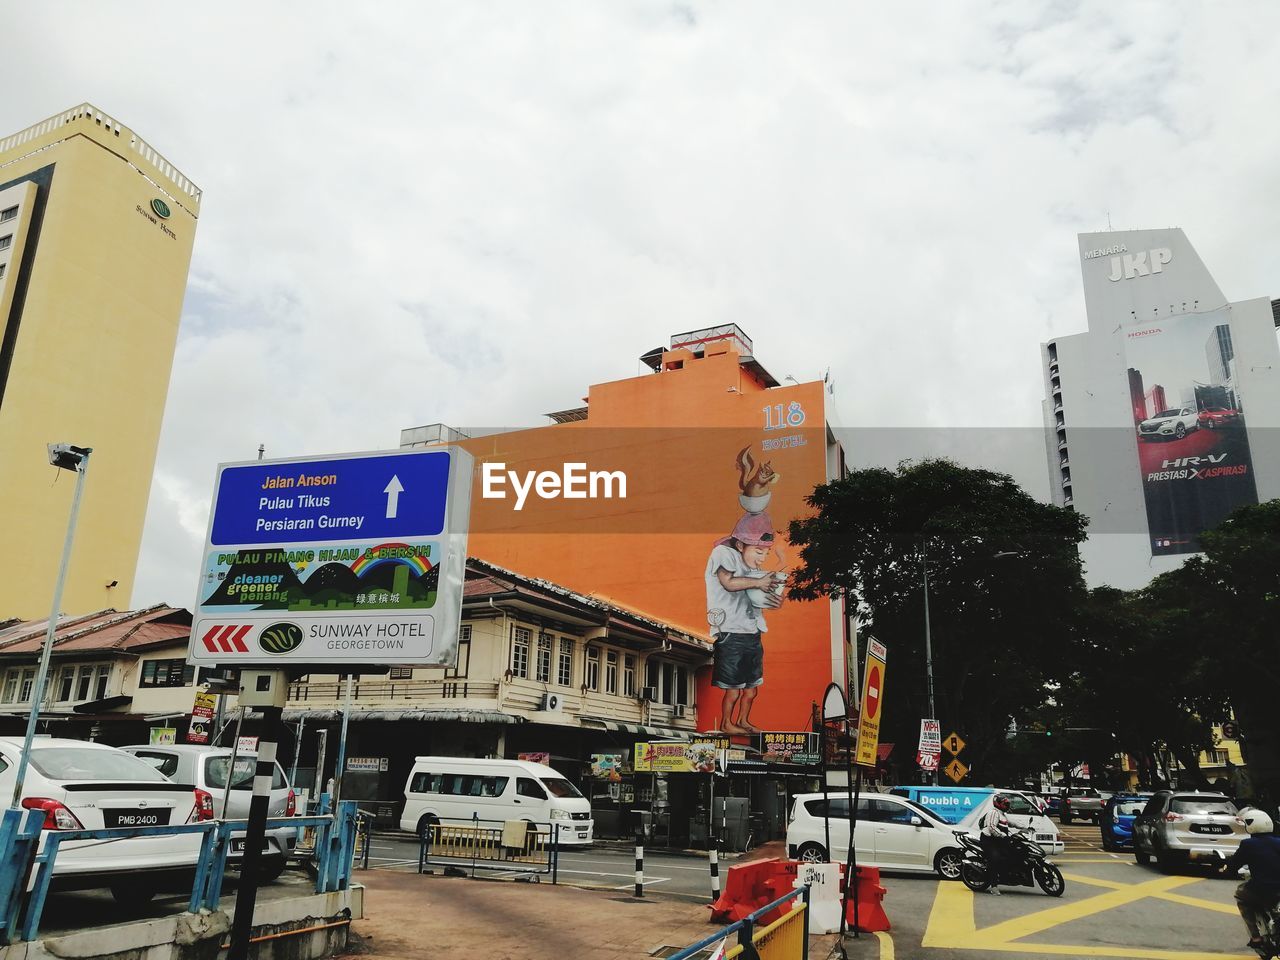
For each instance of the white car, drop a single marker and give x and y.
(1170, 423)
(1023, 812)
(893, 833)
(205, 770)
(90, 786)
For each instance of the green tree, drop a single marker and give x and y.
(1004, 579)
(1230, 610)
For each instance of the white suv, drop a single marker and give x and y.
(1170, 423)
(893, 833)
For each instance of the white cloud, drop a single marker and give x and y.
(468, 213)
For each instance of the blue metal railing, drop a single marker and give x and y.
(746, 928)
(19, 851)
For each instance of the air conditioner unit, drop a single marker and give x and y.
(649, 693)
(551, 702)
(678, 711)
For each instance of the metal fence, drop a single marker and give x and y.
(787, 938)
(21, 851)
(517, 847)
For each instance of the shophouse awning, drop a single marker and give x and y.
(639, 729)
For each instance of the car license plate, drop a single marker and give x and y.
(582, 834)
(1045, 836)
(237, 846)
(136, 818)
(1210, 828)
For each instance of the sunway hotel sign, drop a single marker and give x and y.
(354, 560)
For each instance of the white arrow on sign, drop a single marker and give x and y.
(393, 491)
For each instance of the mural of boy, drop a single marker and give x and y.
(739, 590)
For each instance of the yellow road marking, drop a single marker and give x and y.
(886, 945)
(1043, 920)
(951, 922)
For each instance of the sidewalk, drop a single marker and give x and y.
(409, 916)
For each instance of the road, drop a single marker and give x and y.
(1111, 908)
(601, 867)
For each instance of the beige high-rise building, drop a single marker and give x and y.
(96, 230)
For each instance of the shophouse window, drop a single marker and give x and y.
(544, 658)
(564, 675)
(682, 685)
(167, 673)
(668, 683)
(629, 675)
(9, 214)
(6, 242)
(84, 679)
(401, 673)
(592, 681)
(611, 671)
(104, 674)
(10, 687)
(520, 638)
(652, 673)
(464, 655)
(66, 683)
(28, 681)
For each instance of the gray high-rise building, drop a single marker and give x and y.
(1152, 476)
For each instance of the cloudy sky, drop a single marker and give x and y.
(468, 212)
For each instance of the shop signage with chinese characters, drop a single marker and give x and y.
(789, 747)
(675, 757)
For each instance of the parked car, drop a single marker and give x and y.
(1116, 823)
(455, 789)
(892, 833)
(1079, 803)
(1169, 423)
(89, 786)
(1213, 417)
(206, 771)
(1180, 827)
(1022, 813)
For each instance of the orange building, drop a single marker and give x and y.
(667, 464)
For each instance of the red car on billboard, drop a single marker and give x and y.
(1213, 417)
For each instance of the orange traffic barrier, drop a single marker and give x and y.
(870, 914)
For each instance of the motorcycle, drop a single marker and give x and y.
(1268, 921)
(1025, 865)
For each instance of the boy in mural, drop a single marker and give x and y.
(739, 590)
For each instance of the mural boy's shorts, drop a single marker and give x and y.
(739, 661)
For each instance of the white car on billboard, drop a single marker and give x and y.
(1170, 423)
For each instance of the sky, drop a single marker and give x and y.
(466, 213)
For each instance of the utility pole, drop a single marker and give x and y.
(928, 642)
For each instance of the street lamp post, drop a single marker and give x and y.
(928, 643)
(64, 456)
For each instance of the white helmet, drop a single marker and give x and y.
(1257, 821)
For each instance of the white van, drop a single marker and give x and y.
(458, 789)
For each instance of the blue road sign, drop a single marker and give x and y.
(374, 497)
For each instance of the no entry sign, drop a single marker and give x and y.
(872, 702)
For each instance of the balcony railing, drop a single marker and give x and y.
(388, 691)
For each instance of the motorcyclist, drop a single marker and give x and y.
(996, 837)
(1260, 852)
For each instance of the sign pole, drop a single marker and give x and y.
(340, 771)
(268, 693)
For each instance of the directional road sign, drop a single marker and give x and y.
(349, 560)
(956, 770)
(872, 702)
(954, 744)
